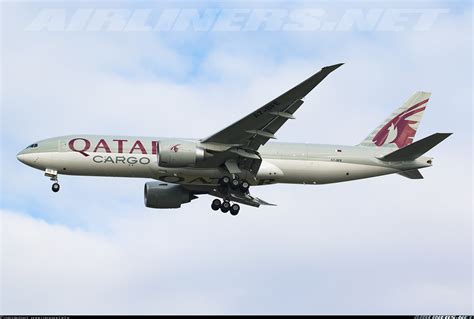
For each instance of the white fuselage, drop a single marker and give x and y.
(281, 162)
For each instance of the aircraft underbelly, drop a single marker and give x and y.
(324, 172)
(271, 170)
(128, 165)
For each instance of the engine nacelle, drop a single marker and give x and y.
(162, 195)
(179, 153)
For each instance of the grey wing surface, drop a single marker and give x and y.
(235, 148)
(259, 126)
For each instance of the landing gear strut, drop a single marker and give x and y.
(53, 175)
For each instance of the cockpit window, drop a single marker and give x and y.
(33, 145)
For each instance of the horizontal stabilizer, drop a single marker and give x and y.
(411, 174)
(416, 149)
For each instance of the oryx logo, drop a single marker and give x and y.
(399, 130)
(175, 148)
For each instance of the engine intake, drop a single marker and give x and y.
(163, 195)
(179, 153)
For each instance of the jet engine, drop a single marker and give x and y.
(162, 195)
(179, 153)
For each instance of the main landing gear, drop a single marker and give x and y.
(225, 206)
(235, 185)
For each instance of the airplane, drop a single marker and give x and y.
(229, 162)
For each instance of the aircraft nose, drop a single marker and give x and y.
(21, 157)
(26, 158)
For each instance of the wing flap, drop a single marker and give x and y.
(283, 114)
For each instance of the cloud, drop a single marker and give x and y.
(385, 245)
(328, 257)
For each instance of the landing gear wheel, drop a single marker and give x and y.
(225, 207)
(55, 187)
(245, 186)
(224, 181)
(216, 204)
(234, 209)
(235, 183)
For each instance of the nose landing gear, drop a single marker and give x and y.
(55, 187)
(53, 175)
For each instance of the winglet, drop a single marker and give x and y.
(332, 67)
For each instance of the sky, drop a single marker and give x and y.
(387, 245)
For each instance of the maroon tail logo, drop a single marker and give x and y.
(175, 148)
(401, 125)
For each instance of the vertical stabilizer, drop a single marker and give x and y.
(399, 129)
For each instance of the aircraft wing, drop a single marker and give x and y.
(259, 126)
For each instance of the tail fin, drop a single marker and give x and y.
(415, 150)
(400, 127)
